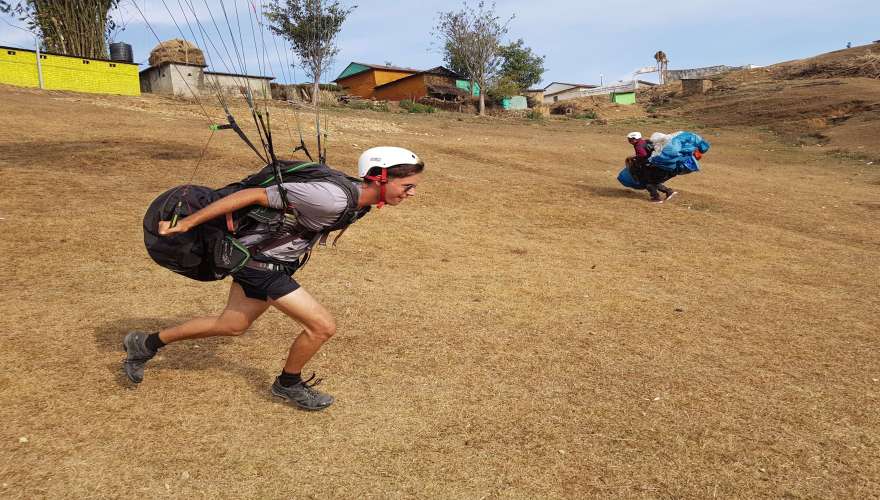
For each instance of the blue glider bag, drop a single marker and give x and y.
(678, 154)
(626, 178)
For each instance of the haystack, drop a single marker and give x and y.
(176, 51)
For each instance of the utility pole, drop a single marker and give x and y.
(39, 64)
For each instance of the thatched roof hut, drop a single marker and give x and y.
(177, 51)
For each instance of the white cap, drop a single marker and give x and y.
(385, 157)
(634, 135)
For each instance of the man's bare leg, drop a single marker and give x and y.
(235, 319)
(318, 326)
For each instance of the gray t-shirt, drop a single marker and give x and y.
(316, 204)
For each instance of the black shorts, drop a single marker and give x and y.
(263, 285)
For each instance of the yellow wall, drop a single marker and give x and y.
(19, 67)
(384, 76)
(362, 84)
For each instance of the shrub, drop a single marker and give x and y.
(414, 107)
(535, 115)
(371, 105)
(586, 115)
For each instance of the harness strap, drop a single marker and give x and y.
(305, 234)
(339, 235)
(383, 181)
(266, 266)
(349, 215)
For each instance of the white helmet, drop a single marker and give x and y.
(634, 135)
(385, 157)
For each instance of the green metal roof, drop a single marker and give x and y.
(352, 69)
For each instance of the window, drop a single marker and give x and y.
(112, 65)
(10, 52)
(42, 56)
(85, 61)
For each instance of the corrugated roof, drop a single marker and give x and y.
(376, 67)
(239, 75)
(390, 68)
(439, 70)
(571, 88)
(583, 85)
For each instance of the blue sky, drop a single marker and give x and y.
(582, 40)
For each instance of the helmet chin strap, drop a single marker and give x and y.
(383, 181)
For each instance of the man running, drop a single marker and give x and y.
(390, 175)
(642, 170)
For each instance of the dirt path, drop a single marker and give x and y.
(524, 328)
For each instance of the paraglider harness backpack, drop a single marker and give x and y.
(212, 250)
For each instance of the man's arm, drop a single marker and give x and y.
(225, 205)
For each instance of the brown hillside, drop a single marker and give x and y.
(830, 101)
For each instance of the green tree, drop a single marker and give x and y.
(501, 88)
(453, 61)
(73, 27)
(521, 66)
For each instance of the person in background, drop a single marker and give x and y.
(642, 171)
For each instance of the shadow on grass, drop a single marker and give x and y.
(612, 192)
(193, 355)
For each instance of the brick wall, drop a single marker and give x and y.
(19, 67)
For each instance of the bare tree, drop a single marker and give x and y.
(471, 38)
(311, 27)
(73, 27)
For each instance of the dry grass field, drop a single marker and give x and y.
(525, 327)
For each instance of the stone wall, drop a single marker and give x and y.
(695, 86)
(696, 73)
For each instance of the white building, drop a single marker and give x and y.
(558, 91)
(185, 79)
(566, 91)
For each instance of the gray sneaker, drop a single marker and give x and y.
(135, 344)
(303, 394)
